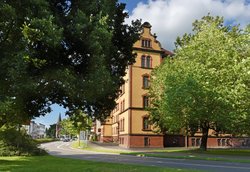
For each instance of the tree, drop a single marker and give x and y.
(73, 53)
(51, 132)
(206, 85)
(81, 122)
(68, 128)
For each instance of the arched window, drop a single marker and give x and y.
(143, 59)
(148, 62)
(145, 81)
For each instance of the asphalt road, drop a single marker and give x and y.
(63, 149)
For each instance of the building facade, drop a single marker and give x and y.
(128, 123)
(35, 130)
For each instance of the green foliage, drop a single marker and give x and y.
(45, 140)
(51, 163)
(73, 53)
(67, 127)
(51, 131)
(81, 121)
(207, 84)
(17, 143)
(76, 123)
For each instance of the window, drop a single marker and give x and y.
(123, 105)
(146, 62)
(145, 81)
(146, 141)
(143, 59)
(146, 125)
(121, 140)
(146, 43)
(219, 142)
(193, 141)
(121, 124)
(145, 101)
(198, 142)
(223, 142)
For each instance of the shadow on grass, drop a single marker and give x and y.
(64, 164)
(10, 163)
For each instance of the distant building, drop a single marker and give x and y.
(35, 130)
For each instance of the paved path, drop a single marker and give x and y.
(63, 149)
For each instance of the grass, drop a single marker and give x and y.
(75, 144)
(233, 152)
(229, 155)
(55, 164)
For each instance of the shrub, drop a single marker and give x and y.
(17, 143)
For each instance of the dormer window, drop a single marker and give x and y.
(146, 43)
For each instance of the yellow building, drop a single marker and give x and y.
(128, 123)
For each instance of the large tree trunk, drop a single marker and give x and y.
(203, 145)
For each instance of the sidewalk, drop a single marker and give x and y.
(115, 146)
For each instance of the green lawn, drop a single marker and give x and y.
(233, 152)
(229, 155)
(54, 164)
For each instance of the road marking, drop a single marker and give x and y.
(142, 159)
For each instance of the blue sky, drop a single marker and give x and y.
(131, 4)
(172, 18)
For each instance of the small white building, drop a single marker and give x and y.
(35, 130)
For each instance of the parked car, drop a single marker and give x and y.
(66, 140)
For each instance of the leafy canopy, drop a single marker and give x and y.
(207, 84)
(77, 122)
(73, 53)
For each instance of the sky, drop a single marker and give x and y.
(172, 18)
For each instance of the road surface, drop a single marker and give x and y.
(63, 149)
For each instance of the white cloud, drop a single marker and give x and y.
(172, 18)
